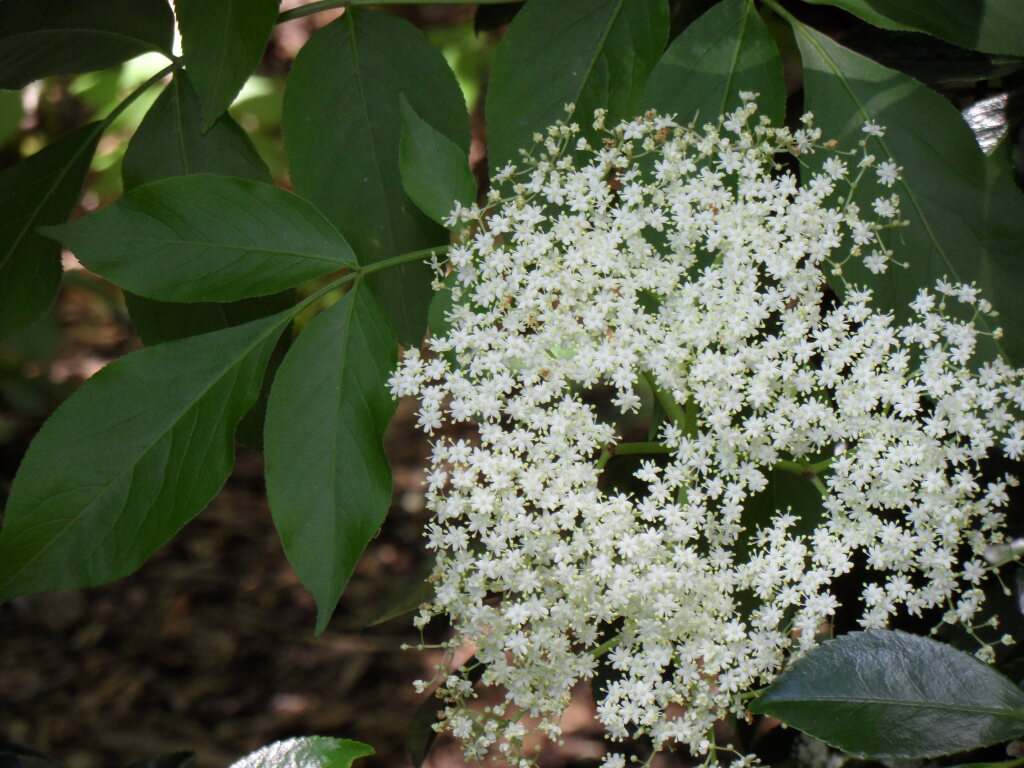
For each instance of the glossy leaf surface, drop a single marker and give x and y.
(342, 128)
(328, 479)
(222, 42)
(727, 50)
(895, 695)
(207, 238)
(141, 448)
(435, 170)
(956, 228)
(306, 752)
(41, 190)
(51, 37)
(590, 53)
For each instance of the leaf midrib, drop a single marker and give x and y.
(905, 703)
(73, 521)
(49, 193)
(224, 247)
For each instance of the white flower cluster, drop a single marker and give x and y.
(687, 266)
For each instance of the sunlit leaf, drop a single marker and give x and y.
(306, 752)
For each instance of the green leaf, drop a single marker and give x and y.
(727, 50)
(130, 458)
(954, 229)
(895, 695)
(328, 480)
(993, 26)
(306, 752)
(207, 238)
(40, 190)
(342, 129)
(11, 115)
(53, 37)
(435, 170)
(222, 42)
(170, 142)
(590, 53)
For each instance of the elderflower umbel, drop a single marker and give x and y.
(690, 263)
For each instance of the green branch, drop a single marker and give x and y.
(627, 449)
(358, 272)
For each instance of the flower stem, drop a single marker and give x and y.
(131, 97)
(626, 449)
(358, 272)
(600, 650)
(672, 409)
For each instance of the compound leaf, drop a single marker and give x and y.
(170, 142)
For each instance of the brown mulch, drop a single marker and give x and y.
(210, 646)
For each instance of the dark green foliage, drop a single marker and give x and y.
(38, 191)
(328, 479)
(435, 170)
(956, 227)
(207, 238)
(590, 53)
(727, 50)
(52, 37)
(130, 458)
(895, 695)
(342, 128)
(222, 42)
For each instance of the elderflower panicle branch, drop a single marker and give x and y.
(695, 259)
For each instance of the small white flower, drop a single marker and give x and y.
(593, 285)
